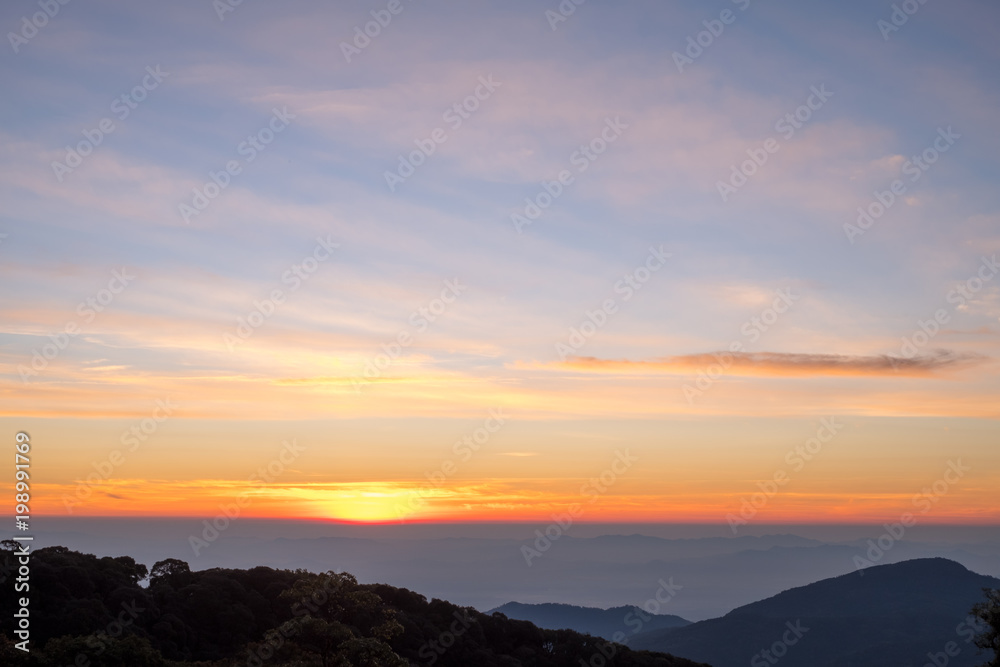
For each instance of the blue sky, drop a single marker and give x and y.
(656, 185)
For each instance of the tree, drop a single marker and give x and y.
(989, 613)
(168, 569)
(129, 651)
(341, 622)
(136, 572)
(368, 652)
(9, 655)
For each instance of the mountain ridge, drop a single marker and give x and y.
(894, 614)
(608, 623)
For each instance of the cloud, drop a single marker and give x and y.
(780, 364)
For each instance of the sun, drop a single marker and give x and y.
(368, 506)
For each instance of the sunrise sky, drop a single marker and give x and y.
(579, 274)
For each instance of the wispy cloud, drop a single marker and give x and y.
(914, 274)
(779, 364)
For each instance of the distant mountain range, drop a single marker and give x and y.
(909, 614)
(484, 569)
(906, 614)
(604, 623)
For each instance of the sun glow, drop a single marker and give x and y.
(368, 504)
(369, 508)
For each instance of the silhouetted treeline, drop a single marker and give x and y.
(95, 612)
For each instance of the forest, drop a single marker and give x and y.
(87, 611)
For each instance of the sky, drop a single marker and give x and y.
(425, 261)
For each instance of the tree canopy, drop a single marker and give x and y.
(88, 611)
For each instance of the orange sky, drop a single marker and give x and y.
(671, 469)
(378, 324)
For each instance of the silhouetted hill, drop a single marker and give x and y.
(94, 612)
(598, 622)
(886, 616)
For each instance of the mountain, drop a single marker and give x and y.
(907, 614)
(604, 623)
(595, 566)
